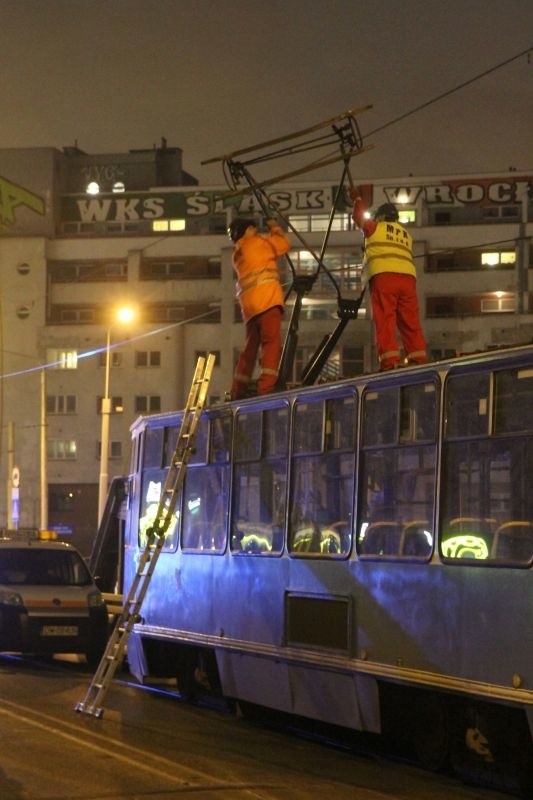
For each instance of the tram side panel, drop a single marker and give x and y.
(446, 621)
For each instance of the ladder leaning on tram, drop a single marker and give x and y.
(116, 646)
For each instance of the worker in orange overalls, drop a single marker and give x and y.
(390, 271)
(261, 298)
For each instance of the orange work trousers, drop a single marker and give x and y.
(262, 331)
(395, 307)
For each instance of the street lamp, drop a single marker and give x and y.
(124, 315)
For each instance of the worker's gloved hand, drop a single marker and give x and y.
(355, 192)
(271, 223)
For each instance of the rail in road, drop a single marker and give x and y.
(149, 746)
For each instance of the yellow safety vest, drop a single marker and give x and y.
(389, 249)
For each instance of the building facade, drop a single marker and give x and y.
(82, 235)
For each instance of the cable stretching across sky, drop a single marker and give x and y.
(451, 91)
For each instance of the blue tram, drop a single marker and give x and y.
(358, 553)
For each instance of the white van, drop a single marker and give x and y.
(49, 602)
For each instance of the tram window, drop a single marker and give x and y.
(321, 505)
(170, 441)
(275, 433)
(487, 501)
(513, 401)
(380, 417)
(153, 447)
(467, 405)
(340, 423)
(397, 487)
(206, 491)
(260, 481)
(258, 509)
(322, 477)
(205, 507)
(219, 451)
(308, 426)
(248, 427)
(152, 482)
(418, 413)
(201, 439)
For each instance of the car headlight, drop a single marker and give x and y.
(95, 600)
(9, 598)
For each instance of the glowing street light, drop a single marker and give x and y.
(123, 315)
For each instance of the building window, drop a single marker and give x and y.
(147, 358)
(498, 259)
(115, 449)
(470, 305)
(501, 301)
(76, 316)
(117, 406)
(208, 312)
(171, 225)
(343, 268)
(184, 267)
(407, 216)
(147, 404)
(353, 361)
(115, 358)
(62, 359)
(319, 222)
(470, 258)
(80, 272)
(61, 449)
(60, 403)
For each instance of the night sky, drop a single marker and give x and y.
(213, 76)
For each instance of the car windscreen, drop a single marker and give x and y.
(39, 567)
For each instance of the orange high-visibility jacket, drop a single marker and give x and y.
(255, 264)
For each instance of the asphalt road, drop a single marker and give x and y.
(152, 746)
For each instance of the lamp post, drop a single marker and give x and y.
(124, 315)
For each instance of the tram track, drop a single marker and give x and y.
(167, 758)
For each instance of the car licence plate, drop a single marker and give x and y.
(59, 630)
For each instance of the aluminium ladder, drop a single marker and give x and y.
(116, 646)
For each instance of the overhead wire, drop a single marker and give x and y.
(452, 91)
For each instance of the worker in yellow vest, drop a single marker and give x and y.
(391, 274)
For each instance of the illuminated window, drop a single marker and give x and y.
(501, 301)
(495, 258)
(407, 216)
(62, 359)
(161, 225)
(61, 449)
